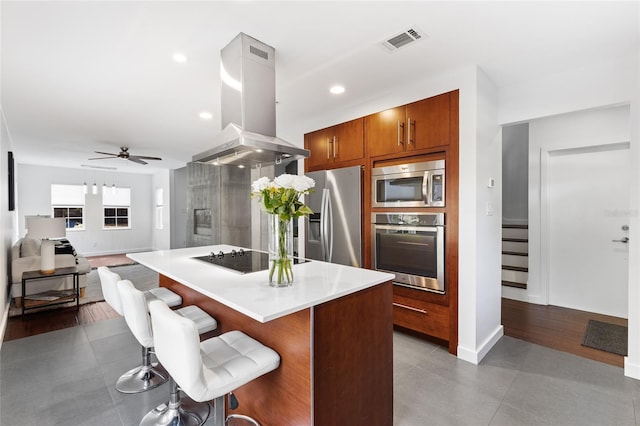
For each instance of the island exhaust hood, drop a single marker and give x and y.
(248, 107)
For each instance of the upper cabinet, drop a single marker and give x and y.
(419, 125)
(339, 143)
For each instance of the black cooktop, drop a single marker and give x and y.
(241, 261)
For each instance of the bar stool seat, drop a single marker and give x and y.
(109, 284)
(136, 314)
(204, 371)
(162, 293)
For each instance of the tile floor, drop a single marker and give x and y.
(66, 377)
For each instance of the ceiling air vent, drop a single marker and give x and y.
(259, 52)
(404, 38)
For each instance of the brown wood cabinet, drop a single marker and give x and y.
(425, 129)
(335, 144)
(422, 316)
(420, 125)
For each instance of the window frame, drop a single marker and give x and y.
(116, 216)
(67, 217)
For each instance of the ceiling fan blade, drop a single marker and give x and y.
(144, 157)
(136, 160)
(106, 153)
(101, 158)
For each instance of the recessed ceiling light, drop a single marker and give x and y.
(179, 57)
(205, 115)
(336, 90)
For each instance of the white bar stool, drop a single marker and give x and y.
(136, 314)
(204, 371)
(148, 375)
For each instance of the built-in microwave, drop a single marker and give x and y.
(409, 185)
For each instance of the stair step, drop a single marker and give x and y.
(514, 253)
(515, 226)
(515, 268)
(515, 246)
(514, 284)
(516, 240)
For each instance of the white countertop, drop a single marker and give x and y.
(314, 282)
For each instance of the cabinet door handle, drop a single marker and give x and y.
(411, 308)
(400, 132)
(410, 123)
(335, 147)
(328, 149)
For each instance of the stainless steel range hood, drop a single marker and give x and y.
(248, 101)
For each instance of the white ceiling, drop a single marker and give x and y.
(85, 76)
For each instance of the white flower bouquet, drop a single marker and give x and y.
(281, 199)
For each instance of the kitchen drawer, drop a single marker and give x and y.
(421, 316)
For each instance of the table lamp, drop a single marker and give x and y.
(44, 228)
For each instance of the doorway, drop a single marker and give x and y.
(585, 227)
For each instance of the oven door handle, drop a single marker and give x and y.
(408, 228)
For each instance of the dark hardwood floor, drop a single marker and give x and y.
(57, 319)
(555, 327)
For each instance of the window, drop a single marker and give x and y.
(159, 208)
(116, 207)
(116, 217)
(67, 201)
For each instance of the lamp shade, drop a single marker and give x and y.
(46, 227)
(43, 228)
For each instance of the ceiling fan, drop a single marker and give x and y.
(124, 153)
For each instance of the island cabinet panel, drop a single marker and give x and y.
(335, 145)
(336, 360)
(353, 361)
(420, 125)
(418, 315)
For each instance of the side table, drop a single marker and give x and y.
(52, 297)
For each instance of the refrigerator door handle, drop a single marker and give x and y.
(330, 230)
(323, 226)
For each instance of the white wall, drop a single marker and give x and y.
(7, 225)
(591, 87)
(34, 190)
(161, 237)
(489, 222)
(515, 176)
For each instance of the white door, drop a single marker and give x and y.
(588, 190)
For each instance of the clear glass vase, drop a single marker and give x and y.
(280, 251)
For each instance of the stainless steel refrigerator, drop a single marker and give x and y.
(334, 230)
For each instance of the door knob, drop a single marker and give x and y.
(623, 240)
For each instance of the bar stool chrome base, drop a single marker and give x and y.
(144, 377)
(180, 410)
(243, 420)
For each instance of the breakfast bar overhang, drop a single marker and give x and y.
(333, 329)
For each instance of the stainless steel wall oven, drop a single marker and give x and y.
(410, 245)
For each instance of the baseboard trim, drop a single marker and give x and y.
(476, 356)
(631, 369)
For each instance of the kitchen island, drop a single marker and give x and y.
(333, 330)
